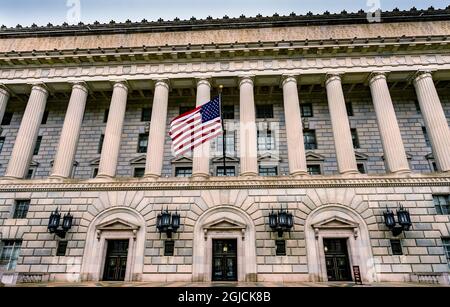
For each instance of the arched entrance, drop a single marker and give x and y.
(337, 239)
(114, 246)
(224, 242)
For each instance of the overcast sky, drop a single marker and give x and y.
(41, 12)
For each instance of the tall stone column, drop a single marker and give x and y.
(391, 138)
(68, 141)
(294, 129)
(200, 161)
(113, 131)
(341, 128)
(4, 97)
(28, 132)
(155, 150)
(434, 117)
(247, 128)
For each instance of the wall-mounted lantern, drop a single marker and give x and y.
(403, 218)
(281, 221)
(54, 221)
(168, 222)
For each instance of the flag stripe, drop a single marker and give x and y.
(189, 148)
(184, 121)
(193, 132)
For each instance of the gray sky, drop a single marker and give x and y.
(26, 12)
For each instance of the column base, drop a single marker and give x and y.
(151, 176)
(350, 173)
(299, 174)
(103, 177)
(200, 176)
(402, 172)
(248, 174)
(54, 177)
(10, 178)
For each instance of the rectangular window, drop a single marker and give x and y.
(264, 111)
(21, 209)
(396, 247)
(281, 247)
(105, 115)
(313, 169)
(62, 248)
(146, 114)
(349, 108)
(183, 171)
(361, 168)
(10, 250)
(266, 140)
(95, 172)
(139, 172)
(38, 145)
(229, 140)
(228, 112)
(306, 110)
(142, 143)
(442, 204)
(268, 171)
(446, 245)
(434, 167)
(30, 173)
(425, 135)
(309, 139)
(44, 118)
(169, 247)
(100, 144)
(355, 139)
(7, 118)
(185, 109)
(231, 171)
(2, 142)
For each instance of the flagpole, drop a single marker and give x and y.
(224, 132)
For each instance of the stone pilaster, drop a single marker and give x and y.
(28, 132)
(434, 117)
(343, 144)
(113, 131)
(200, 159)
(247, 128)
(294, 129)
(62, 166)
(157, 136)
(4, 97)
(391, 138)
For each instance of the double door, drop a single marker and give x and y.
(116, 260)
(336, 259)
(224, 260)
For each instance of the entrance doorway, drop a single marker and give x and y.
(116, 260)
(337, 260)
(224, 260)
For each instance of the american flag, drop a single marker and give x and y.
(195, 127)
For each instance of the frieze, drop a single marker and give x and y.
(227, 68)
(231, 183)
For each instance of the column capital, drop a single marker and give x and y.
(162, 82)
(422, 74)
(39, 86)
(79, 85)
(121, 83)
(288, 78)
(4, 90)
(376, 75)
(203, 81)
(246, 79)
(333, 76)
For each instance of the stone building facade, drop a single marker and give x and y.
(333, 119)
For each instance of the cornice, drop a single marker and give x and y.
(232, 183)
(242, 22)
(380, 46)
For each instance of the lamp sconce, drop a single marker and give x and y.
(54, 220)
(281, 221)
(168, 222)
(403, 219)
